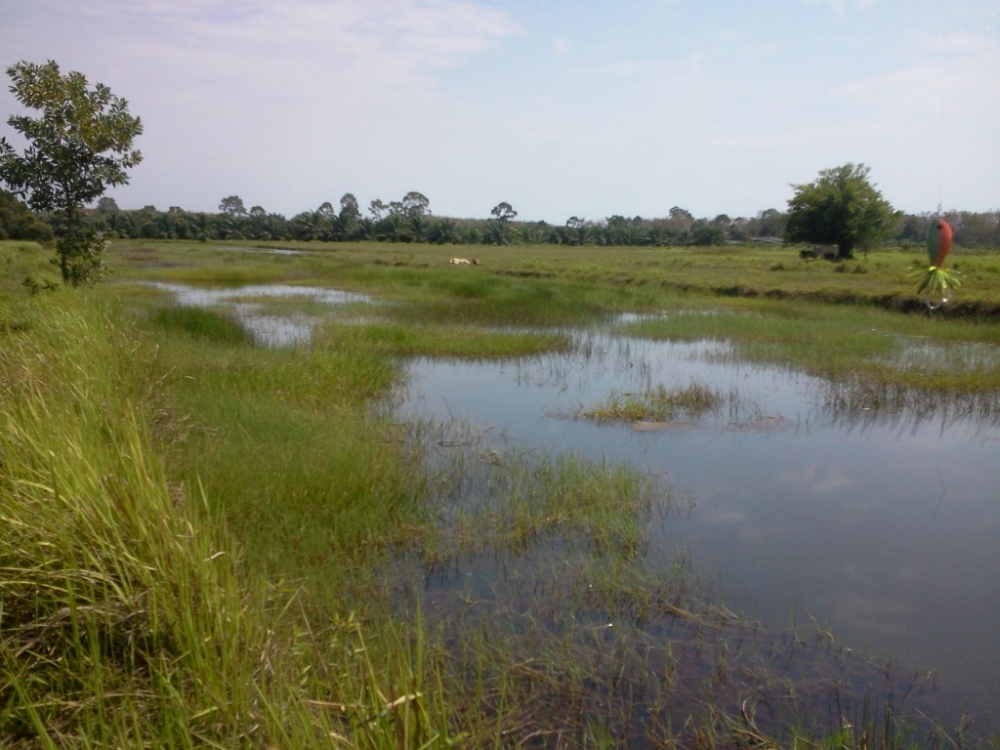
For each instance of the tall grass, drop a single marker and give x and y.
(129, 616)
(121, 610)
(287, 446)
(201, 324)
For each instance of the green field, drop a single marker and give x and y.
(199, 529)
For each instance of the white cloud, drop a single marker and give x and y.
(299, 43)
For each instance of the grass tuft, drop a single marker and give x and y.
(659, 404)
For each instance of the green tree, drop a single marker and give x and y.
(768, 223)
(350, 215)
(107, 205)
(349, 209)
(706, 233)
(232, 206)
(258, 223)
(498, 230)
(79, 146)
(620, 231)
(444, 231)
(18, 223)
(578, 231)
(415, 204)
(841, 207)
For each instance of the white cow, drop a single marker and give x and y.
(464, 262)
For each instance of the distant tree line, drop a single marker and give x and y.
(410, 220)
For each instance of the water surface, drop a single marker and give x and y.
(883, 528)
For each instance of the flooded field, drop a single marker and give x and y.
(875, 529)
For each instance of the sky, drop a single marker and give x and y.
(585, 108)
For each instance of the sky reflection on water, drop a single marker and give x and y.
(884, 528)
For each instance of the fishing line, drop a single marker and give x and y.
(941, 102)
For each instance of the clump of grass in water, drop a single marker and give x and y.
(518, 502)
(659, 404)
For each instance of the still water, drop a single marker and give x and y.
(882, 528)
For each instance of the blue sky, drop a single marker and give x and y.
(561, 108)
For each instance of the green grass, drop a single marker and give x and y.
(26, 266)
(204, 324)
(130, 614)
(109, 592)
(460, 341)
(283, 443)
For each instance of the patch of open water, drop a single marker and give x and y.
(884, 528)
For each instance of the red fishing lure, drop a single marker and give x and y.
(937, 283)
(938, 241)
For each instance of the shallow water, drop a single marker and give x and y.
(269, 330)
(882, 528)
